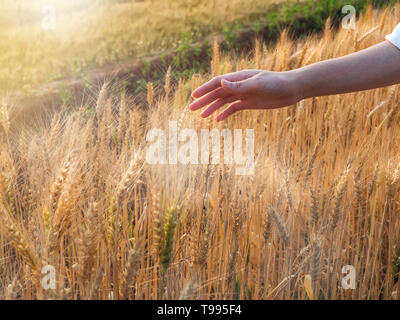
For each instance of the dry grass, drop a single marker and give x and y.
(80, 196)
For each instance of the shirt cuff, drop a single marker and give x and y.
(394, 37)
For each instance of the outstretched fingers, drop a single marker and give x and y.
(219, 93)
(216, 82)
(233, 108)
(217, 104)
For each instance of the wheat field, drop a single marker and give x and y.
(78, 194)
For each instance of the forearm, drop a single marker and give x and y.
(375, 67)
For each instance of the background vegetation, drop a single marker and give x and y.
(95, 33)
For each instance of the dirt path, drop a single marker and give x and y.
(51, 96)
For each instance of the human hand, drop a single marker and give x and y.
(247, 89)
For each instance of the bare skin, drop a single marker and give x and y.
(375, 67)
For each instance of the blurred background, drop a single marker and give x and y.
(43, 40)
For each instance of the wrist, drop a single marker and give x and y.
(297, 79)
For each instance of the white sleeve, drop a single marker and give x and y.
(394, 37)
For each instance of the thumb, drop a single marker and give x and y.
(238, 87)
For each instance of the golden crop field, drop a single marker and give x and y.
(79, 194)
(92, 33)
